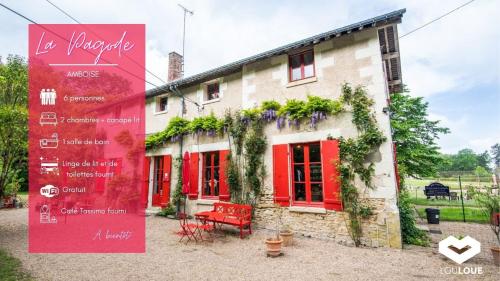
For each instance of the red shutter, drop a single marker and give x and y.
(331, 178)
(223, 186)
(280, 174)
(145, 178)
(165, 195)
(193, 176)
(396, 170)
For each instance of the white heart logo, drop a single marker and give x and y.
(466, 248)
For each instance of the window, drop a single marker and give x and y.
(161, 104)
(307, 178)
(301, 65)
(157, 174)
(212, 91)
(211, 164)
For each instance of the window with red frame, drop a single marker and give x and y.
(213, 91)
(307, 178)
(211, 174)
(301, 65)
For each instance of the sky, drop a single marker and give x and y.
(454, 63)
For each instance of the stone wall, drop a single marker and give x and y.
(382, 229)
(352, 58)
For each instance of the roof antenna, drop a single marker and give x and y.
(186, 11)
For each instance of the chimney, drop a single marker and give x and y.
(174, 66)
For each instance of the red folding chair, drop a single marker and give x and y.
(189, 230)
(204, 226)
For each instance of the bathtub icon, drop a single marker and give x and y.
(51, 142)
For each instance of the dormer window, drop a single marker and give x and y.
(301, 65)
(212, 91)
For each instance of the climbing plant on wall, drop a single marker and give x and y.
(245, 132)
(354, 154)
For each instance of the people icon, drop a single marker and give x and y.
(48, 96)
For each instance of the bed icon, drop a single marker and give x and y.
(48, 118)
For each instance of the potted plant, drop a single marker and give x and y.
(274, 243)
(287, 235)
(490, 204)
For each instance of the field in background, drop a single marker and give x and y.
(451, 182)
(450, 210)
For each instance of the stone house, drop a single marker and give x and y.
(364, 53)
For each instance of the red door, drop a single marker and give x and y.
(161, 180)
(165, 191)
(157, 180)
(146, 181)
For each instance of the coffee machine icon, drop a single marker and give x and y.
(45, 215)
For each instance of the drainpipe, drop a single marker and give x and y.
(175, 90)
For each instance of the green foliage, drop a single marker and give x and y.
(251, 113)
(208, 124)
(455, 214)
(466, 160)
(490, 206)
(411, 234)
(353, 155)
(293, 109)
(297, 110)
(270, 105)
(234, 180)
(176, 128)
(415, 136)
(481, 172)
(319, 104)
(14, 81)
(13, 144)
(495, 152)
(237, 126)
(11, 269)
(177, 197)
(255, 146)
(14, 123)
(168, 211)
(237, 130)
(484, 160)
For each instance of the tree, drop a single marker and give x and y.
(415, 136)
(13, 121)
(484, 160)
(417, 154)
(464, 160)
(480, 172)
(495, 152)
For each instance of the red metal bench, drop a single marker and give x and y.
(232, 214)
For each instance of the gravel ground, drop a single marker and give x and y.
(229, 258)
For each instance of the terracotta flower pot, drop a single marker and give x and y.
(273, 247)
(495, 251)
(287, 237)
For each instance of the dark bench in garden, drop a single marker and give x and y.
(231, 214)
(437, 189)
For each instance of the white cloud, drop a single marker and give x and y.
(455, 53)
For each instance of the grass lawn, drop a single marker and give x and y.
(455, 214)
(453, 184)
(11, 269)
(431, 202)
